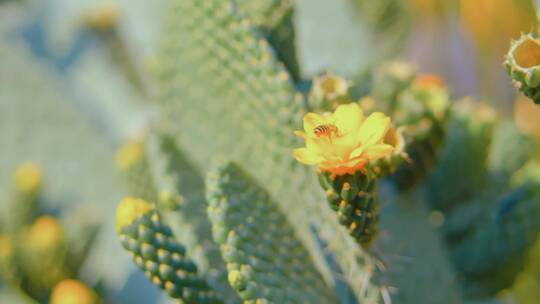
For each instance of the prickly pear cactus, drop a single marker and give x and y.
(247, 97)
(410, 192)
(492, 254)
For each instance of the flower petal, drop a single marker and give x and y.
(356, 152)
(375, 152)
(348, 118)
(344, 168)
(300, 134)
(373, 129)
(307, 156)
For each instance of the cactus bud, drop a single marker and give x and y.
(28, 183)
(41, 251)
(45, 234)
(328, 91)
(523, 65)
(422, 113)
(28, 177)
(73, 292)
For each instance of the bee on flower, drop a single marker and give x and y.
(343, 142)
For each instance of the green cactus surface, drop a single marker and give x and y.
(353, 197)
(491, 254)
(461, 169)
(132, 161)
(265, 260)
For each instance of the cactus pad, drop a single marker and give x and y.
(154, 249)
(265, 261)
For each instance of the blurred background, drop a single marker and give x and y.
(75, 83)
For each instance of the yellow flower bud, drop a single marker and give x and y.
(329, 86)
(45, 233)
(28, 177)
(73, 292)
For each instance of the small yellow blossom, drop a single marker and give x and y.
(28, 177)
(73, 292)
(343, 142)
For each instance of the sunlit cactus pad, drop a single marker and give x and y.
(264, 259)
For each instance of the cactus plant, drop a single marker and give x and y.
(411, 194)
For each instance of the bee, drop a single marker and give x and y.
(326, 130)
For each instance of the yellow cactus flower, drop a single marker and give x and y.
(129, 154)
(129, 209)
(343, 142)
(28, 177)
(73, 292)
